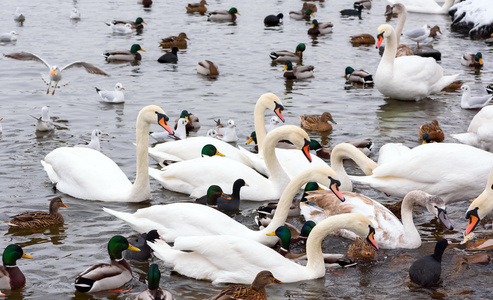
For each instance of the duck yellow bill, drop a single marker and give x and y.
(285, 68)
(144, 22)
(130, 247)
(473, 220)
(275, 280)
(142, 50)
(24, 255)
(271, 233)
(249, 140)
(480, 61)
(219, 153)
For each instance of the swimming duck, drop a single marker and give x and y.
(145, 3)
(361, 249)
(94, 176)
(317, 122)
(170, 57)
(238, 260)
(190, 219)
(468, 102)
(137, 24)
(480, 207)
(256, 291)
(272, 20)
(179, 41)
(44, 123)
(433, 130)
(472, 60)
(223, 15)
(228, 132)
(284, 55)
(55, 71)
(8, 37)
(479, 133)
(124, 55)
(353, 12)
(102, 276)
(210, 198)
(311, 6)
(301, 15)
(365, 3)
(390, 233)
(153, 291)
(425, 6)
(297, 72)
(193, 121)
(11, 277)
(358, 76)
(140, 241)
(320, 27)
(197, 7)
(363, 38)
(39, 219)
(115, 96)
(207, 68)
(426, 271)
(407, 77)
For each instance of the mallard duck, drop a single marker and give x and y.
(179, 41)
(249, 256)
(94, 176)
(317, 122)
(297, 72)
(426, 271)
(353, 12)
(39, 219)
(433, 130)
(223, 15)
(115, 96)
(8, 37)
(469, 102)
(301, 15)
(170, 57)
(256, 291)
(102, 276)
(213, 193)
(44, 123)
(153, 291)
(310, 6)
(358, 76)
(124, 55)
(480, 207)
(363, 38)
(140, 241)
(361, 249)
(320, 27)
(207, 68)
(231, 202)
(284, 55)
(489, 41)
(472, 60)
(272, 20)
(55, 71)
(193, 121)
(11, 277)
(137, 24)
(197, 7)
(365, 3)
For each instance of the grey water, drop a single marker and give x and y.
(241, 51)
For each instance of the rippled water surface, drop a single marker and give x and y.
(241, 50)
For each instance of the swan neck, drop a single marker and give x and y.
(141, 185)
(407, 217)
(259, 123)
(400, 25)
(387, 62)
(277, 174)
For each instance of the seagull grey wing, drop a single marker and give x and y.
(27, 56)
(415, 33)
(478, 102)
(107, 95)
(90, 68)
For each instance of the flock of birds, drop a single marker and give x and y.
(202, 230)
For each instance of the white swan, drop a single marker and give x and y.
(191, 147)
(185, 219)
(425, 6)
(407, 77)
(451, 171)
(238, 260)
(390, 233)
(88, 174)
(206, 171)
(480, 131)
(481, 206)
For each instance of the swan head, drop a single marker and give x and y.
(358, 224)
(117, 245)
(434, 205)
(210, 150)
(272, 102)
(481, 206)
(325, 176)
(384, 31)
(150, 118)
(295, 135)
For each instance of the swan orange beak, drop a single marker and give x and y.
(334, 187)
(473, 220)
(306, 150)
(379, 40)
(278, 110)
(371, 237)
(162, 120)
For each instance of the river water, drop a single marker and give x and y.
(241, 50)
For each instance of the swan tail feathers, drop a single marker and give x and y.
(51, 172)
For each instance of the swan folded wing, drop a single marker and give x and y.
(90, 68)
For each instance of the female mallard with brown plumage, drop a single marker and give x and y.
(179, 41)
(39, 219)
(297, 72)
(362, 39)
(317, 122)
(207, 68)
(284, 55)
(11, 277)
(197, 7)
(256, 291)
